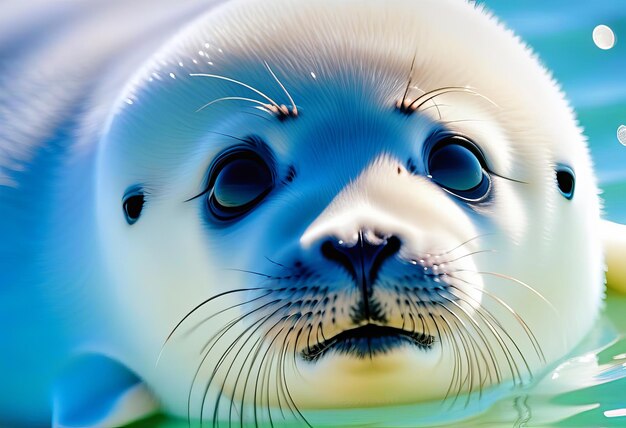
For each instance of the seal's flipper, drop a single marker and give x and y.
(614, 237)
(96, 391)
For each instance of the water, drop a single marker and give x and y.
(588, 388)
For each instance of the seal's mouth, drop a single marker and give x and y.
(367, 341)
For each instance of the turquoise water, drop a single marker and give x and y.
(594, 79)
(589, 388)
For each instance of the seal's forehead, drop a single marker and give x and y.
(366, 47)
(450, 41)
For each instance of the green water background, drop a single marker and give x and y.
(593, 79)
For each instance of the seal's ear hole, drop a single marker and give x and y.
(133, 204)
(566, 180)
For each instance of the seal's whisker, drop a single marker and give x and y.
(236, 385)
(255, 352)
(218, 100)
(237, 82)
(482, 235)
(507, 352)
(283, 387)
(485, 342)
(249, 331)
(518, 318)
(489, 363)
(409, 303)
(234, 322)
(196, 308)
(251, 272)
(456, 372)
(262, 339)
(447, 334)
(294, 352)
(519, 282)
(402, 103)
(468, 378)
(294, 108)
(473, 253)
(223, 134)
(281, 375)
(425, 328)
(275, 263)
(267, 369)
(258, 115)
(490, 350)
(220, 361)
(309, 327)
(221, 333)
(296, 341)
(214, 314)
(448, 122)
(259, 399)
(256, 385)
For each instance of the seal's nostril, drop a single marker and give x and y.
(387, 249)
(363, 259)
(338, 252)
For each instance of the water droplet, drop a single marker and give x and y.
(172, 75)
(313, 75)
(621, 134)
(603, 37)
(129, 101)
(615, 413)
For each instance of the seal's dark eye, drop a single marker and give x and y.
(566, 181)
(133, 204)
(457, 166)
(238, 181)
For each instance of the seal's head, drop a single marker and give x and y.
(335, 204)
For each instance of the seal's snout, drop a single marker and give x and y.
(363, 258)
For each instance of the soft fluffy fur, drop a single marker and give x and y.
(526, 266)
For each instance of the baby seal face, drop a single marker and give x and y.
(337, 204)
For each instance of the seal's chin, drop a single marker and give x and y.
(367, 340)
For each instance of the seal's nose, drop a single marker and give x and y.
(362, 259)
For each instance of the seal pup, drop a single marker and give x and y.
(301, 206)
